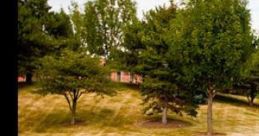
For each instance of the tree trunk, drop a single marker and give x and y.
(119, 76)
(164, 115)
(250, 97)
(73, 119)
(28, 78)
(131, 77)
(209, 112)
(251, 102)
(252, 94)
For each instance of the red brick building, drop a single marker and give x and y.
(126, 77)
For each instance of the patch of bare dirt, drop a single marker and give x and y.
(171, 123)
(205, 134)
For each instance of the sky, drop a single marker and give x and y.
(145, 5)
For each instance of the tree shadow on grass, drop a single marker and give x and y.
(55, 119)
(33, 87)
(102, 118)
(234, 101)
(120, 86)
(23, 85)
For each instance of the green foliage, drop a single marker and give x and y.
(248, 83)
(40, 32)
(213, 39)
(31, 39)
(78, 27)
(72, 74)
(128, 59)
(251, 66)
(146, 53)
(58, 25)
(104, 21)
(74, 71)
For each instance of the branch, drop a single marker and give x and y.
(80, 94)
(213, 93)
(248, 97)
(71, 96)
(68, 101)
(74, 95)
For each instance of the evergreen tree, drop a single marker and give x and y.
(31, 38)
(146, 42)
(40, 32)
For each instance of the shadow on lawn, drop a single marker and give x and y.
(22, 85)
(28, 87)
(125, 86)
(103, 117)
(234, 101)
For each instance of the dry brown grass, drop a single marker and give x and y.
(121, 115)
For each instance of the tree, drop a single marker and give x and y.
(146, 43)
(40, 32)
(128, 58)
(72, 74)
(58, 25)
(31, 38)
(77, 19)
(249, 81)
(104, 21)
(214, 39)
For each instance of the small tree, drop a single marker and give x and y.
(71, 74)
(252, 92)
(250, 75)
(254, 77)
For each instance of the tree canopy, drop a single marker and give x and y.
(71, 74)
(40, 32)
(146, 53)
(213, 38)
(104, 22)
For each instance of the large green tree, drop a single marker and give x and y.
(40, 32)
(31, 38)
(72, 74)
(214, 39)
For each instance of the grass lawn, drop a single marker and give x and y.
(121, 115)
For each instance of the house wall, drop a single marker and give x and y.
(125, 77)
(21, 79)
